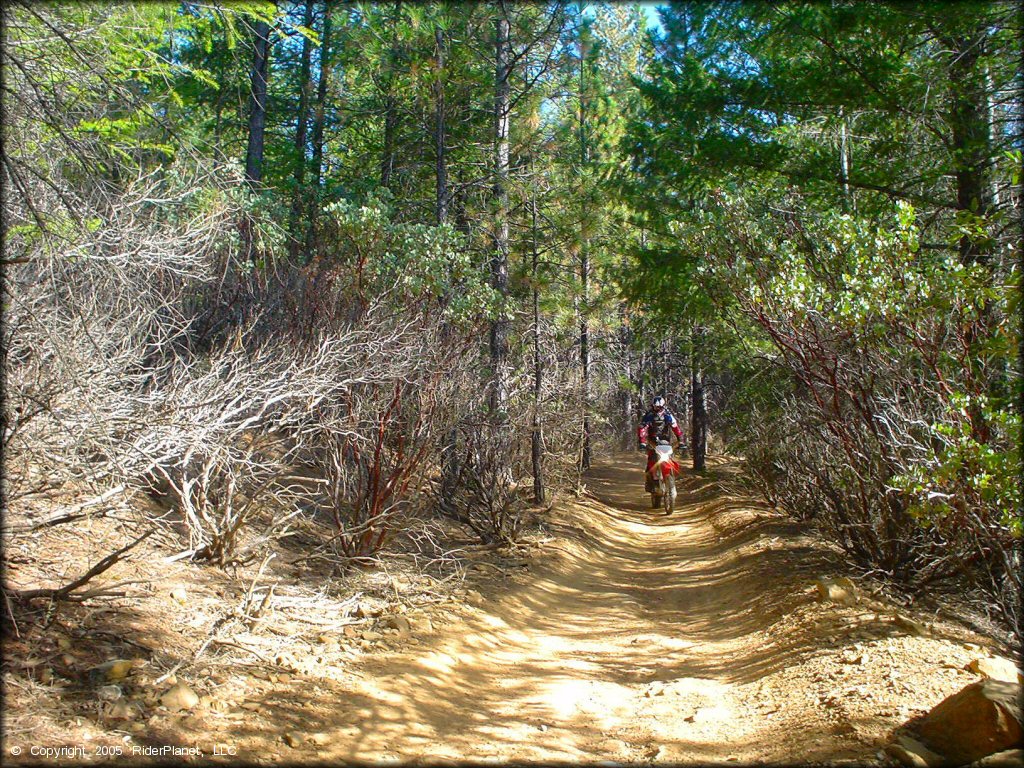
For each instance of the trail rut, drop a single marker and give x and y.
(638, 636)
(617, 634)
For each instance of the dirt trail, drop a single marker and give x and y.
(620, 635)
(637, 636)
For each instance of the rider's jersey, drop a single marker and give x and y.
(657, 426)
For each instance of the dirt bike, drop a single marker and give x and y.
(664, 471)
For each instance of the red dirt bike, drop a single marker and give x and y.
(663, 472)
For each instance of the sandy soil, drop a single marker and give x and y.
(619, 634)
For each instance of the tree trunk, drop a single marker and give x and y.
(387, 161)
(305, 93)
(626, 388)
(499, 258)
(665, 369)
(699, 423)
(585, 356)
(970, 136)
(995, 196)
(971, 142)
(538, 372)
(584, 269)
(440, 132)
(318, 127)
(450, 459)
(257, 103)
(844, 161)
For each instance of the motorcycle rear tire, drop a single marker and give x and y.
(655, 501)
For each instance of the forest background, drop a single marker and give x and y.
(365, 261)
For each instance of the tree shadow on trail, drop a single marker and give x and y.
(622, 599)
(551, 668)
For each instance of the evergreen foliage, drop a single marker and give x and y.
(807, 215)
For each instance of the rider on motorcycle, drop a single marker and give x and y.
(657, 424)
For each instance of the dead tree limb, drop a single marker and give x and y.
(64, 593)
(70, 514)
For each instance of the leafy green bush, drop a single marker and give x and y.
(885, 408)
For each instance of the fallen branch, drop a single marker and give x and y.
(10, 611)
(252, 586)
(232, 644)
(104, 591)
(217, 625)
(77, 512)
(65, 592)
(187, 553)
(264, 603)
(252, 618)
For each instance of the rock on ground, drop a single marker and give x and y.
(1011, 758)
(179, 696)
(996, 668)
(841, 590)
(982, 719)
(913, 753)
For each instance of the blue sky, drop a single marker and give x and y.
(650, 10)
